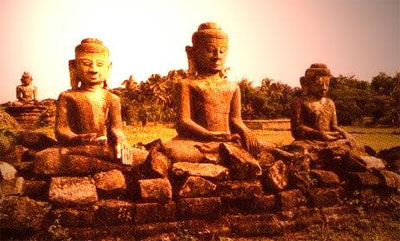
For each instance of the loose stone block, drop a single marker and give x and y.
(390, 179)
(35, 140)
(203, 207)
(159, 164)
(361, 162)
(205, 229)
(7, 172)
(242, 164)
(261, 204)
(275, 176)
(325, 178)
(72, 217)
(12, 187)
(363, 179)
(206, 170)
(72, 190)
(143, 230)
(20, 213)
(154, 212)
(247, 226)
(53, 162)
(36, 188)
(197, 187)
(155, 190)
(239, 189)
(111, 212)
(291, 199)
(110, 181)
(325, 197)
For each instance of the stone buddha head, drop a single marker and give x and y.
(26, 79)
(209, 50)
(316, 80)
(91, 65)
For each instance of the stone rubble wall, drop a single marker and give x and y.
(48, 194)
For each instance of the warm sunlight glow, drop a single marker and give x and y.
(275, 39)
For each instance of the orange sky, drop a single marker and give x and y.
(275, 39)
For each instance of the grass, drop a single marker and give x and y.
(377, 138)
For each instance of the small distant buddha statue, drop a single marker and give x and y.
(89, 114)
(314, 114)
(26, 92)
(208, 105)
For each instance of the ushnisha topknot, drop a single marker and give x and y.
(91, 45)
(315, 71)
(208, 30)
(26, 75)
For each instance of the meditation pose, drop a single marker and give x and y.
(89, 114)
(26, 92)
(209, 107)
(314, 114)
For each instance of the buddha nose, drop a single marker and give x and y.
(93, 68)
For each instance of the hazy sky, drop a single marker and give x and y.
(278, 39)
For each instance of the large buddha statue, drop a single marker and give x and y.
(209, 106)
(314, 114)
(89, 114)
(26, 92)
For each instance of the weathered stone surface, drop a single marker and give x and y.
(163, 237)
(12, 187)
(390, 154)
(35, 140)
(239, 189)
(155, 190)
(72, 190)
(51, 161)
(72, 217)
(205, 229)
(159, 164)
(34, 188)
(108, 233)
(242, 164)
(154, 212)
(291, 199)
(20, 213)
(262, 204)
(325, 197)
(249, 226)
(111, 212)
(144, 230)
(275, 176)
(197, 187)
(361, 162)
(109, 181)
(7, 172)
(363, 179)
(207, 170)
(390, 179)
(203, 207)
(325, 178)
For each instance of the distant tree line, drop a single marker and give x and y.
(154, 99)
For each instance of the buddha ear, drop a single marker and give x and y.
(72, 74)
(190, 55)
(105, 84)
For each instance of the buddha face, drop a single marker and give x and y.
(92, 68)
(319, 88)
(26, 80)
(210, 55)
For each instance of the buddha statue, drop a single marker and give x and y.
(314, 114)
(89, 114)
(26, 92)
(208, 105)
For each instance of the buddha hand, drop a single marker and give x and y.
(250, 142)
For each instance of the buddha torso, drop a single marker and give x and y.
(210, 103)
(26, 92)
(318, 114)
(87, 110)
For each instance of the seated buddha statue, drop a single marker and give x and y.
(89, 114)
(26, 92)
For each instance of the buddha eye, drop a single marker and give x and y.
(222, 50)
(211, 49)
(86, 62)
(100, 64)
